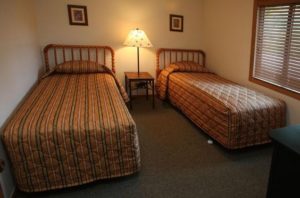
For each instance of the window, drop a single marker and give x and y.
(275, 59)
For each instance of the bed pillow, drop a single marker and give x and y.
(80, 67)
(187, 66)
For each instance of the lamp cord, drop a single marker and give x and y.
(138, 60)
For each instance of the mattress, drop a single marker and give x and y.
(72, 129)
(233, 115)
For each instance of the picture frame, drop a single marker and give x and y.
(77, 15)
(176, 23)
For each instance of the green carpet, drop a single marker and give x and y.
(178, 162)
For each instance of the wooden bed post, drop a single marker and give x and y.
(46, 57)
(112, 59)
(157, 62)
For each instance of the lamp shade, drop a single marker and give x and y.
(137, 38)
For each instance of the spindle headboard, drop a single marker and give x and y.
(55, 54)
(166, 56)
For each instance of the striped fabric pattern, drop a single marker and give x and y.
(187, 66)
(72, 129)
(71, 67)
(77, 67)
(184, 66)
(233, 115)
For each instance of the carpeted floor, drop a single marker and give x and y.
(178, 162)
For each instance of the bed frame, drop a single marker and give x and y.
(62, 53)
(166, 56)
(234, 126)
(41, 168)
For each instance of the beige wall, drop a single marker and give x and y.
(111, 20)
(19, 63)
(227, 33)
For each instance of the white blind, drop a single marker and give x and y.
(277, 52)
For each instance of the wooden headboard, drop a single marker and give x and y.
(166, 56)
(55, 54)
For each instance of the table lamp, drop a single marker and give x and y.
(137, 38)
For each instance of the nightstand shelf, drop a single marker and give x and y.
(144, 81)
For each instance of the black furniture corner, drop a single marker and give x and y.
(1, 170)
(284, 179)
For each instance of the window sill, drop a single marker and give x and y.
(275, 88)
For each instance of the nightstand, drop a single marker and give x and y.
(144, 80)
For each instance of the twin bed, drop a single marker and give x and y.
(74, 127)
(233, 115)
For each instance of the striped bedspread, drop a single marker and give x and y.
(233, 115)
(72, 129)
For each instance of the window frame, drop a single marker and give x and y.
(257, 4)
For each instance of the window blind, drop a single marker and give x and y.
(277, 49)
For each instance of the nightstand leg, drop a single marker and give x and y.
(147, 89)
(126, 84)
(130, 102)
(153, 101)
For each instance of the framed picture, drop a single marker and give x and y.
(77, 15)
(176, 23)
